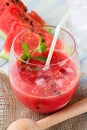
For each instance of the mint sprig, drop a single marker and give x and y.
(41, 46)
(40, 58)
(25, 47)
(27, 56)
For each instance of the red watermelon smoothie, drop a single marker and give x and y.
(44, 91)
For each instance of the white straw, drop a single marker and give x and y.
(60, 24)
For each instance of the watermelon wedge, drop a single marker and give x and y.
(7, 10)
(9, 14)
(4, 4)
(14, 18)
(14, 12)
(34, 36)
(8, 42)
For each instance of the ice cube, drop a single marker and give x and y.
(69, 70)
(59, 82)
(41, 81)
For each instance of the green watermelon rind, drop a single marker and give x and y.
(4, 55)
(2, 35)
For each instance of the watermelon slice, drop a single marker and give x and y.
(33, 40)
(14, 18)
(7, 8)
(10, 14)
(4, 4)
(8, 42)
(13, 12)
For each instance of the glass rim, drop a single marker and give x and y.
(60, 62)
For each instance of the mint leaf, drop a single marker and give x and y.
(32, 68)
(35, 68)
(25, 47)
(40, 58)
(41, 46)
(26, 56)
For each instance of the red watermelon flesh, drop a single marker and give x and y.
(19, 4)
(32, 38)
(13, 19)
(36, 17)
(7, 23)
(11, 31)
(16, 28)
(16, 11)
(13, 13)
(4, 4)
(9, 15)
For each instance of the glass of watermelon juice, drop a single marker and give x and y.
(43, 91)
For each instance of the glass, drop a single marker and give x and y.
(77, 22)
(44, 91)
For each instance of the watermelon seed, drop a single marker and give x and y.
(43, 40)
(32, 29)
(37, 107)
(53, 85)
(17, 0)
(7, 4)
(62, 70)
(40, 34)
(56, 92)
(25, 10)
(21, 69)
(60, 60)
(31, 23)
(26, 19)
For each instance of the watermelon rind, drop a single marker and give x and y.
(4, 55)
(2, 35)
